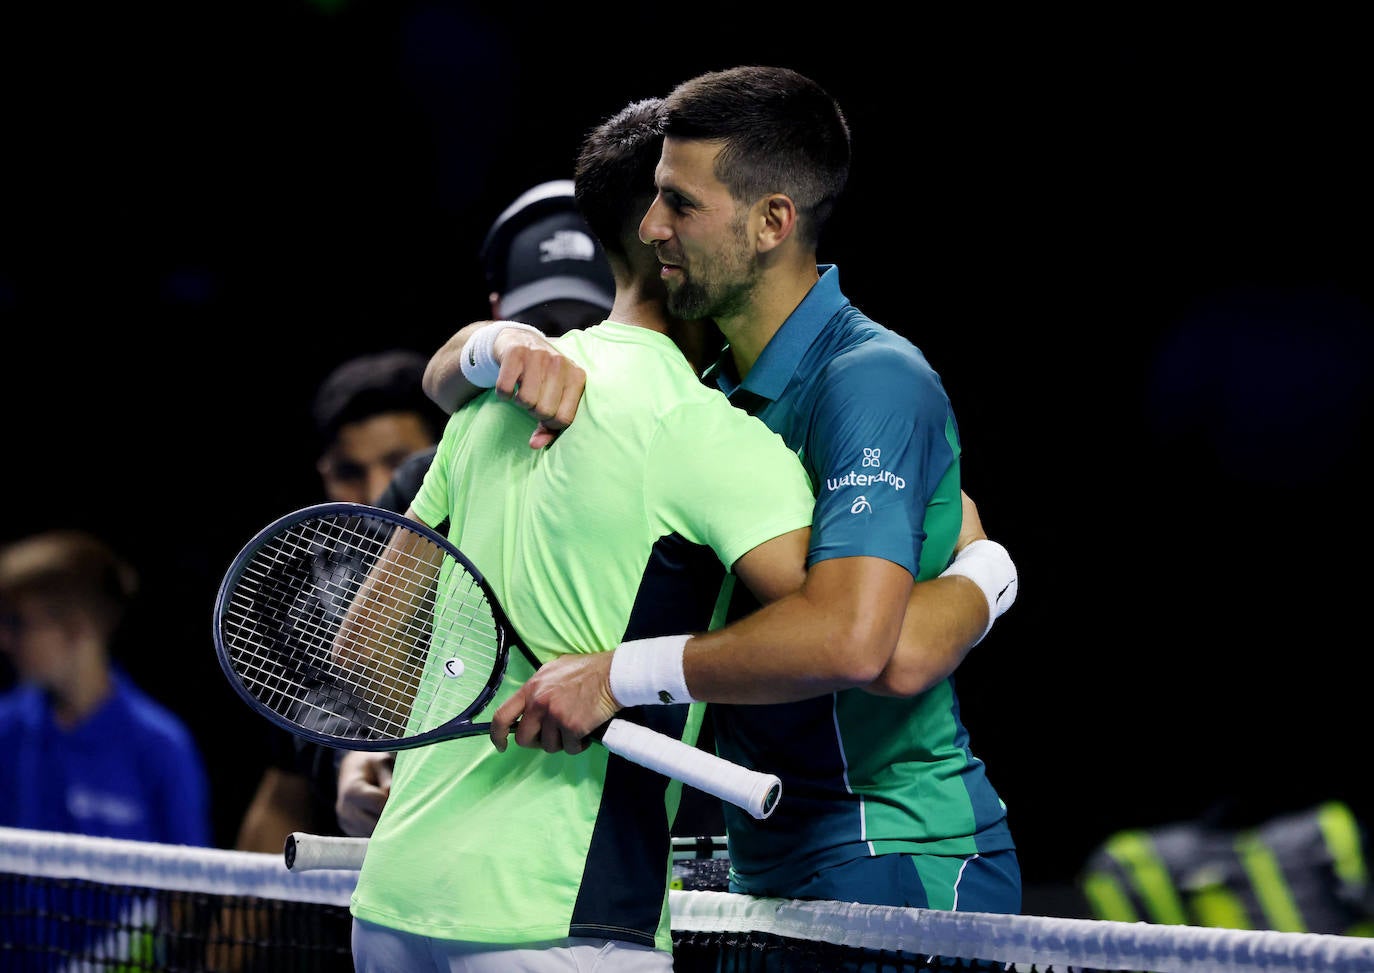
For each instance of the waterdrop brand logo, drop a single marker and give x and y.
(872, 475)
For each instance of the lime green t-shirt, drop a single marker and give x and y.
(487, 847)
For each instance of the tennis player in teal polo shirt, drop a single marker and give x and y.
(864, 775)
(884, 799)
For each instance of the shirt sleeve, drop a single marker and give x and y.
(883, 445)
(432, 501)
(724, 479)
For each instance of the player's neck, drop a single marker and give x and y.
(774, 298)
(641, 308)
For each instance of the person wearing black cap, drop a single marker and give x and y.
(370, 414)
(543, 265)
(546, 270)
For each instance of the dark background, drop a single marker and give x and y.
(1138, 252)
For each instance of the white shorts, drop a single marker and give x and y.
(381, 949)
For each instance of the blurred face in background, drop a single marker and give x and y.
(41, 638)
(361, 461)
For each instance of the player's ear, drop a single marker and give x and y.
(777, 220)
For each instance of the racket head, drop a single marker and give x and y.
(426, 655)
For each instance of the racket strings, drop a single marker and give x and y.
(353, 629)
(285, 613)
(381, 648)
(442, 608)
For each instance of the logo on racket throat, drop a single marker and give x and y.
(453, 668)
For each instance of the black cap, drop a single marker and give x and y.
(540, 249)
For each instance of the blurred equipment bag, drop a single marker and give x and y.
(1301, 872)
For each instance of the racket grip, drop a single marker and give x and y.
(755, 792)
(304, 851)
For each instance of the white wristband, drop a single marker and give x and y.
(988, 565)
(478, 360)
(647, 672)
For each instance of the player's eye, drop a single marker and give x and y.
(347, 472)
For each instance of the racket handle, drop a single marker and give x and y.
(305, 852)
(755, 792)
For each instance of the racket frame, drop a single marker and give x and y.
(458, 726)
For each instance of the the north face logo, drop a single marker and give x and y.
(567, 245)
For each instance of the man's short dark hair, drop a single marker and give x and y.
(615, 171)
(783, 133)
(371, 385)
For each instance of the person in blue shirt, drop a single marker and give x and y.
(84, 750)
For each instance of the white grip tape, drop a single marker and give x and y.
(305, 852)
(755, 792)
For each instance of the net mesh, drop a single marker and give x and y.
(72, 903)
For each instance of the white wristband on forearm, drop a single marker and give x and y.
(988, 565)
(647, 672)
(478, 360)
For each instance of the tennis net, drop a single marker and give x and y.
(77, 904)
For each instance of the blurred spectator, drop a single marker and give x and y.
(545, 268)
(370, 414)
(82, 748)
(543, 265)
(1266, 385)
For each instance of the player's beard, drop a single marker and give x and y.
(720, 285)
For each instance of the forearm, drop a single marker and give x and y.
(784, 656)
(945, 618)
(443, 380)
(837, 632)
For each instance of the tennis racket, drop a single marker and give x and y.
(361, 629)
(306, 852)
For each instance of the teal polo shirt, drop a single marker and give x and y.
(863, 775)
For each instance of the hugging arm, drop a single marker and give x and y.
(823, 630)
(534, 375)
